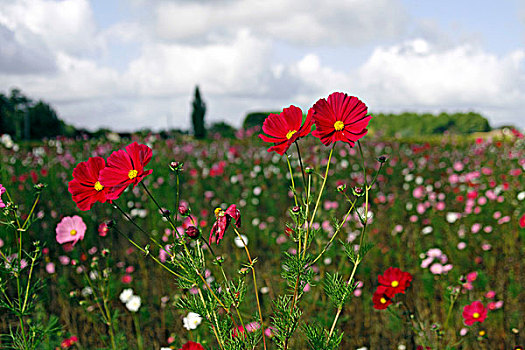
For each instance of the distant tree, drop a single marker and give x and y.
(223, 129)
(197, 115)
(44, 121)
(255, 119)
(21, 117)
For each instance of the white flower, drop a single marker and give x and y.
(133, 304)
(452, 217)
(165, 348)
(239, 243)
(86, 291)
(401, 347)
(192, 320)
(257, 191)
(521, 196)
(426, 230)
(126, 295)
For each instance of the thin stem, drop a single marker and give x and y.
(33, 259)
(318, 198)
(137, 331)
(152, 257)
(31, 212)
(335, 233)
(213, 326)
(254, 284)
(300, 162)
(291, 178)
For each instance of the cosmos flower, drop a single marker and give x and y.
(192, 321)
(125, 168)
(395, 279)
(85, 187)
(382, 297)
(70, 229)
(133, 304)
(190, 345)
(223, 221)
(2, 190)
(285, 128)
(474, 312)
(340, 118)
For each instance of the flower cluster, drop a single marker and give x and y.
(338, 118)
(131, 300)
(94, 181)
(391, 282)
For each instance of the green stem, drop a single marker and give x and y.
(300, 162)
(137, 331)
(335, 233)
(254, 284)
(318, 198)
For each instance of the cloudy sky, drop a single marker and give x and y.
(129, 64)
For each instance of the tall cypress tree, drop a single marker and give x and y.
(197, 115)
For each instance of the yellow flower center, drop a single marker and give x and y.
(339, 125)
(475, 315)
(395, 284)
(73, 232)
(218, 212)
(98, 186)
(290, 134)
(481, 333)
(382, 300)
(132, 174)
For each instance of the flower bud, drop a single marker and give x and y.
(382, 159)
(358, 191)
(296, 209)
(166, 213)
(110, 223)
(193, 232)
(176, 166)
(308, 170)
(341, 188)
(183, 210)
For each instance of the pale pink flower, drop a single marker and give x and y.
(70, 229)
(436, 269)
(490, 294)
(50, 268)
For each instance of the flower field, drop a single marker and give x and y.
(448, 211)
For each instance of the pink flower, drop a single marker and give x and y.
(471, 277)
(70, 229)
(474, 312)
(50, 268)
(2, 190)
(103, 229)
(490, 294)
(127, 279)
(436, 269)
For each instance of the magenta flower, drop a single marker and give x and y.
(70, 229)
(223, 221)
(2, 190)
(474, 312)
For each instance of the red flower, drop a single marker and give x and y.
(285, 128)
(395, 279)
(522, 221)
(474, 312)
(192, 346)
(85, 186)
(125, 168)
(340, 118)
(223, 221)
(66, 343)
(382, 297)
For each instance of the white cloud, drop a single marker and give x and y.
(305, 22)
(63, 26)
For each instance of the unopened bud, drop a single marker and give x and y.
(176, 166)
(341, 188)
(358, 191)
(110, 223)
(308, 170)
(193, 232)
(296, 209)
(382, 159)
(166, 213)
(183, 210)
